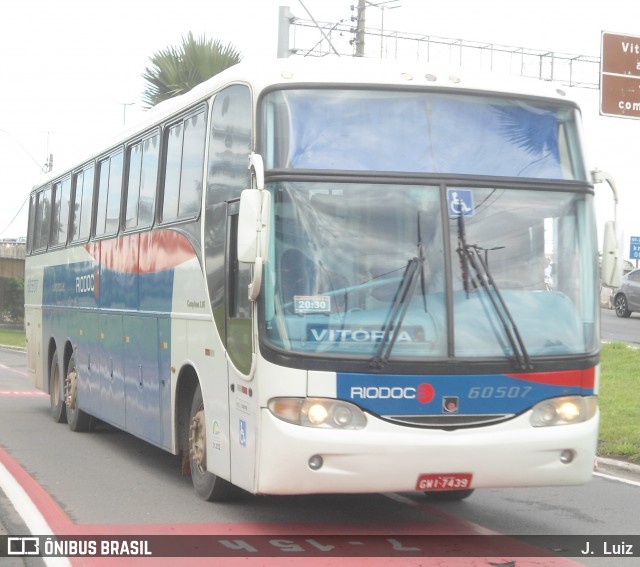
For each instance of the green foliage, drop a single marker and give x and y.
(12, 299)
(176, 70)
(619, 402)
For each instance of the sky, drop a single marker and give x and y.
(71, 70)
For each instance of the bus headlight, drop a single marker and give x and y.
(318, 412)
(564, 410)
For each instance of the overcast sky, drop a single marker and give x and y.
(69, 67)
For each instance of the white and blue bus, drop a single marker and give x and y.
(337, 276)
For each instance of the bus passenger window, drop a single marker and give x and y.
(82, 204)
(32, 211)
(60, 212)
(141, 188)
(229, 144)
(42, 220)
(183, 175)
(109, 194)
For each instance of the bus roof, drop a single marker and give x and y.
(360, 71)
(347, 71)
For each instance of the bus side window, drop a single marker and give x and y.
(227, 175)
(42, 220)
(185, 144)
(141, 187)
(229, 144)
(82, 204)
(109, 195)
(30, 233)
(60, 212)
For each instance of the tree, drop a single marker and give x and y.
(176, 70)
(12, 299)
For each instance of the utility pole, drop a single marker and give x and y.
(284, 22)
(360, 28)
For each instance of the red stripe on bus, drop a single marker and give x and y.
(145, 253)
(575, 378)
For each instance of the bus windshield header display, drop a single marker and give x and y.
(367, 130)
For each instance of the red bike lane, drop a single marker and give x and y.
(444, 540)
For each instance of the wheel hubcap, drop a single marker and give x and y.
(55, 387)
(71, 389)
(197, 440)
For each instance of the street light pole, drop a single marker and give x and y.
(124, 111)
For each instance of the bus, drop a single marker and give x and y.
(330, 276)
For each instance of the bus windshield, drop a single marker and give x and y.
(361, 270)
(418, 132)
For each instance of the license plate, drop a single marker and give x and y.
(449, 481)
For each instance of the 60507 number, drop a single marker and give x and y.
(487, 392)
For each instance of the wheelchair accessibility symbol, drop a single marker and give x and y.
(460, 202)
(243, 433)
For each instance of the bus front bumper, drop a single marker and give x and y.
(385, 457)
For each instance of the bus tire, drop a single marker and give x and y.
(206, 484)
(77, 419)
(449, 495)
(56, 392)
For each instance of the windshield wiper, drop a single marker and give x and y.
(399, 309)
(401, 303)
(470, 255)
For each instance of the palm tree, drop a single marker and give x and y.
(176, 70)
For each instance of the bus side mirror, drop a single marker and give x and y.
(611, 270)
(255, 205)
(253, 234)
(250, 201)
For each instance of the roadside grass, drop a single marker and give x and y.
(619, 398)
(12, 337)
(619, 402)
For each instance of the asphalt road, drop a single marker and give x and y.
(109, 480)
(614, 328)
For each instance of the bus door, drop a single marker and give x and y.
(243, 407)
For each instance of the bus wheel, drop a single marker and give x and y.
(56, 392)
(207, 485)
(77, 419)
(449, 495)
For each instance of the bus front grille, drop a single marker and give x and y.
(448, 421)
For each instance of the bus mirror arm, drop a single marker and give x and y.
(256, 166)
(256, 281)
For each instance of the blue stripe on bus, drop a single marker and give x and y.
(85, 284)
(477, 394)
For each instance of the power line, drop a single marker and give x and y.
(15, 216)
(566, 68)
(43, 168)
